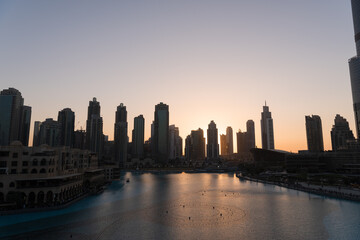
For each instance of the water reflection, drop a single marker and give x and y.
(192, 206)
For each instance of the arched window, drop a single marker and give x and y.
(43, 162)
(35, 162)
(42, 170)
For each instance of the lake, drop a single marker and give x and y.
(191, 206)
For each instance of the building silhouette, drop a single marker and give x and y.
(241, 138)
(50, 132)
(94, 128)
(229, 141)
(160, 138)
(267, 129)
(341, 134)
(80, 139)
(212, 141)
(36, 137)
(195, 146)
(120, 135)
(250, 131)
(175, 142)
(314, 133)
(66, 119)
(354, 65)
(223, 146)
(138, 137)
(14, 118)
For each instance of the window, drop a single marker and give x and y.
(25, 163)
(14, 163)
(43, 162)
(3, 164)
(35, 162)
(15, 155)
(4, 153)
(12, 184)
(25, 153)
(13, 171)
(24, 171)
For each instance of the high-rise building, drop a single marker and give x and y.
(160, 138)
(212, 141)
(94, 128)
(175, 142)
(229, 141)
(267, 129)
(79, 139)
(120, 135)
(50, 131)
(36, 138)
(250, 131)
(138, 137)
(223, 146)
(25, 125)
(14, 117)
(188, 148)
(354, 65)
(241, 138)
(66, 119)
(340, 133)
(197, 145)
(314, 133)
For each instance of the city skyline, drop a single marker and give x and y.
(178, 78)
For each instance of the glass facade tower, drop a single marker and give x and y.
(354, 65)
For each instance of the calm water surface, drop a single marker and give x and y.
(191, 206)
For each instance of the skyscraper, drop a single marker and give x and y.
(314, 133)
(229, 141)
(175, 142)
(241, 138)
(250, 131)
(212, 139)
(120, 135)
(36, 138)
(14, 117)
(66, 119)
(196, 145)
(49, 134)
(354, 65)
(340, 133)
(138, 137)
(267, 129)
(161, 133)
(223, 147)
(94, 128)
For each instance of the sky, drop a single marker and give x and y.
(208, 60)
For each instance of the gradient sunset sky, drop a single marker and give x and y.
(208, 60)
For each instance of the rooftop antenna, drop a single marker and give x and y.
(265, 103)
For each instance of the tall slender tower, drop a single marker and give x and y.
(120, 135)
(250, 131)
(354, 65)
(94, 128)
(138, 137)
(267, 129)
(212, 138)
(66, 119)
(161, 133)
(314, 133)
(229, 141)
